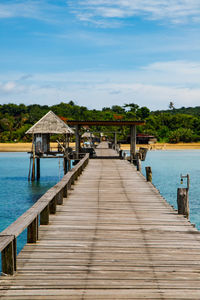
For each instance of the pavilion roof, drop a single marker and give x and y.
(105, 123)
(50, 123)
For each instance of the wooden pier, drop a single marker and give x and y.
(114, 237)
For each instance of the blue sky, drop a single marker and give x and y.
(100, 52)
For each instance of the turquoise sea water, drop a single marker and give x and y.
(16, 193)
(167, 167)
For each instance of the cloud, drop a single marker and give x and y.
(42, 10)
(25, 9)
(175, 11)
(9, 88)
(154, 86)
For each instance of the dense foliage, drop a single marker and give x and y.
(173, 125)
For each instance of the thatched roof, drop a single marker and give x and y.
(50, 123)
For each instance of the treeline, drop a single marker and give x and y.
(174, 125)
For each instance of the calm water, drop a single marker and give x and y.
(167, 167)
(16, 193)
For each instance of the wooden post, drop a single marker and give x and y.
(44, 216)
(183, 202)
(138, 162)
(148, 174)
(69, 165)
(65, 165)
(8, 259)
(65, 190)
(32, 233)
(15, 253)
(115, 141)
(77, 136)
(52, 206)
(33, 170)
(120, 154)
(59, 198)
(38, 168)
(133, 142)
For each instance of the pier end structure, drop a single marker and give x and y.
(49, 124)
(131, 124)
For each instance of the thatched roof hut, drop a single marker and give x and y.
(44, 128)
(50, 124)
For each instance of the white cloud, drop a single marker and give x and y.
(42, 10)
(153, 85)
(10, 88)
(19, 9)
(177, 11)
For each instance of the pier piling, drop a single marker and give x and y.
(148, 174)
(183, 202)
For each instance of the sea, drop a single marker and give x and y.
(167, 167)
(17, 194)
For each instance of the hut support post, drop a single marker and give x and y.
(38, 168)
(78, 142)
(33, 169)
(133, 142)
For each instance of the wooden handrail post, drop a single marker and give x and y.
(148, 174)
(65, 191)
(44, 216)
(32, 233)
(37, 224)
(183, 201)
(59, 197)
(72, 180)
(52, 206)
(15, 253)
(8, 258)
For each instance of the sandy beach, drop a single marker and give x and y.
(22, 147)
(162, 146)
(26, 147)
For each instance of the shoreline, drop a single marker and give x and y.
(26, 147)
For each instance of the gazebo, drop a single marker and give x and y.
(48, 125)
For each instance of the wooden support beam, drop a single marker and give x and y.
(52, 206)
(138, 162)
(33, 169)
(65, 163)
(38, 168)
(8, 258)
(32, 232)
(65, 191)
(44, 216)
(132, 142)
(78, 142)
(59, 198)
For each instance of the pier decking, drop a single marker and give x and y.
(114, 237)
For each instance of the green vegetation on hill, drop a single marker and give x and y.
(174, 125)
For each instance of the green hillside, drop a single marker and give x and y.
(173, 125)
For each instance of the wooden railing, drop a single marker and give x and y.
(37, 215)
